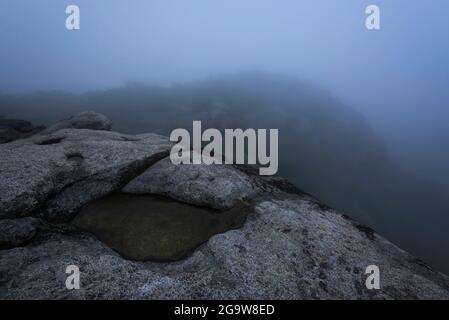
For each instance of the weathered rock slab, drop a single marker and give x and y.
(83, 120)
(215, 186)
(288, 249)
(52, 176)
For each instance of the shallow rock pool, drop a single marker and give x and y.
(143, 227)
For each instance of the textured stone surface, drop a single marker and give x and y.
(291, 246)
(83, 120)
(17, 232)
(51, 176)
(287, 249)
(11, 130)
(214, 186)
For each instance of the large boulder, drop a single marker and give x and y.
(52, 176)
(215, 186)
(84, 120)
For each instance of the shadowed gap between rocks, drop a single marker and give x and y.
(50, 141)
(154, 228)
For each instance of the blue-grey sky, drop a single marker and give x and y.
(397, 76)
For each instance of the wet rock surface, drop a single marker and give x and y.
(154, 228)
(290, 246)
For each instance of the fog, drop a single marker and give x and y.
(379, 99)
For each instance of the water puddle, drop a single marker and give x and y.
(142, 228)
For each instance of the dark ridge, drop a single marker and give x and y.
(50, 141)
(367, 231)
(19, 125)
(423, 264)
(274, 181)
(325, 207)
(129, 139)
(285, 186)
(75, 156)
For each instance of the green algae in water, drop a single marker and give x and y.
(142, 227)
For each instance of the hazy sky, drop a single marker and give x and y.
(397, 76)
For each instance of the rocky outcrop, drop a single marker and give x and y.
(218, 187)
(83, 120)
(52, 176)
(287, 249)
(17, 232)
(290, 247)
(11, 130)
